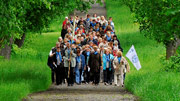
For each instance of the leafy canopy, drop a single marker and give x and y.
(22, 16)
(158, 18)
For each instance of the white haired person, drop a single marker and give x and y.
(120, 64)
(60, 40)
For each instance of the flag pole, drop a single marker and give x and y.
(74, 23)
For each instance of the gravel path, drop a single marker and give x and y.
(84, 92)
(96, 8)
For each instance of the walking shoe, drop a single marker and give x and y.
(106, 83)
(96, 84)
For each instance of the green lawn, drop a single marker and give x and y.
(150, 83)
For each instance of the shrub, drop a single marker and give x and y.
(173, 64)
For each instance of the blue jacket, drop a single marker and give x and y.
(104, 61)
(82, 62)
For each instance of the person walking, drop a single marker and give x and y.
(119, 64)
(58, 64)
(69, 63)
(79, 68)
(87, 53)
(95, 65)
(50, 61)
(107, 67)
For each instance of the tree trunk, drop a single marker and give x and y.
(19, 42)
(6, 51)
(171, 48)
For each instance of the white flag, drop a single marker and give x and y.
(132, 55)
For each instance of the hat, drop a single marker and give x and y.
(66, 17)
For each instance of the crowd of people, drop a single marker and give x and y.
(92, 54)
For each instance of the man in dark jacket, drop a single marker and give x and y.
(58, 64)
(50, 61)
(95, 65)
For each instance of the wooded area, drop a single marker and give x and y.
(18, 17)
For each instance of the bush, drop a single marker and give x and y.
(23, 52)
(173, 64)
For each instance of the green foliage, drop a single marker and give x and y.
(150, 83)
(22, 16)
(24, 52)
(158, 18)
(173, 64)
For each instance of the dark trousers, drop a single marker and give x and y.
(52, 73)
(87, 76)
(59, 74)
(70, 79)
(52, 76)
(124, 76)
(96, 77)
(107, 76)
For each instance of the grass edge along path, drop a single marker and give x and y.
(27, 71)
(150, 83)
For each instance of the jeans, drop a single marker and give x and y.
(78, 75)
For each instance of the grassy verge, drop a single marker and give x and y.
(27, 71)
(150, 83)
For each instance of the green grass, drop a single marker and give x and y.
(27, 71)
(150, 83)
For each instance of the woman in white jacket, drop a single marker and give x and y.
(120, 65)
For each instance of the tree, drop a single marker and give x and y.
(18, 17)
(159, 19)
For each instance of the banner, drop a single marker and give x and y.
(132, 55)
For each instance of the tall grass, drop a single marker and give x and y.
(27, 71)
(150, 83)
